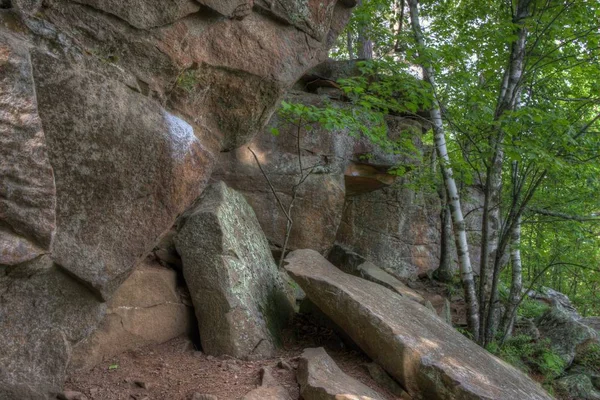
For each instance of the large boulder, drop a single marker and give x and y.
(429, 358)
(148, 308)
(565, 332)
(241, 299)
(111, 116)
(321, 379)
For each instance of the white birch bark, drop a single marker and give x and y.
(458, 221)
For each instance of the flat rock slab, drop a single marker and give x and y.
(321, 379)
(430, 359)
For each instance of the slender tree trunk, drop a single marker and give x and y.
(460, 233)
(365, 44)
(349, 45)
(445, 271)
(492, 255)
(516, 286)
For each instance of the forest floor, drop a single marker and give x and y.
(177, 369)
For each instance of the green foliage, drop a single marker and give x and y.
(532, 309)
(590, 357)
(187, 80)
(530, 356)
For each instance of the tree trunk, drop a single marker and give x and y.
(460, 233)
(445, 271)
(365, 44)
(349, 45)
(491, 254)
(516, 286)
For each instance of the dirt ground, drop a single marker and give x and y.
(176, 369)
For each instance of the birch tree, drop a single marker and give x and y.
(458, 221)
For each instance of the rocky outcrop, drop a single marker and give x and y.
(111, 116)
(426, 356)
(241, 299)
(148, 308)
(339, 173)
(564, 332)
(321, 379)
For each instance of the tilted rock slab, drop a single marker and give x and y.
(430, 359)
(240, 297)
(321, 379)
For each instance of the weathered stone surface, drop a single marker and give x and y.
(384, 380)
(564, 332)
(429, 359)
(395, 228)
(145, 14)
(43, 312)
(321, 379)
(268, 393)
(115, 196)
(592, 322)
(308, 16)
(577, 386)
(146, 309)
(240, 297)
(27, 192)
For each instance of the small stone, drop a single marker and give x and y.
(210, 358)
(72, 395)
(282, 364)
(142, 384)
(267, 379)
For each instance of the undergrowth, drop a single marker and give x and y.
(534, 357)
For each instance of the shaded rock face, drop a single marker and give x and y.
(395, 228)
(44, 312)
(427, 357)
(321, 379)
(146, 309)
(111, 113)
(241, 299)
(27, 192)
(321, 198)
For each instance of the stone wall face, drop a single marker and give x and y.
(112, 116)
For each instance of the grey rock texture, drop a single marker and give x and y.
(27, 190)
(241, 299)
(321, 379)
(565, 333)
(44, 313)
(426, 356)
